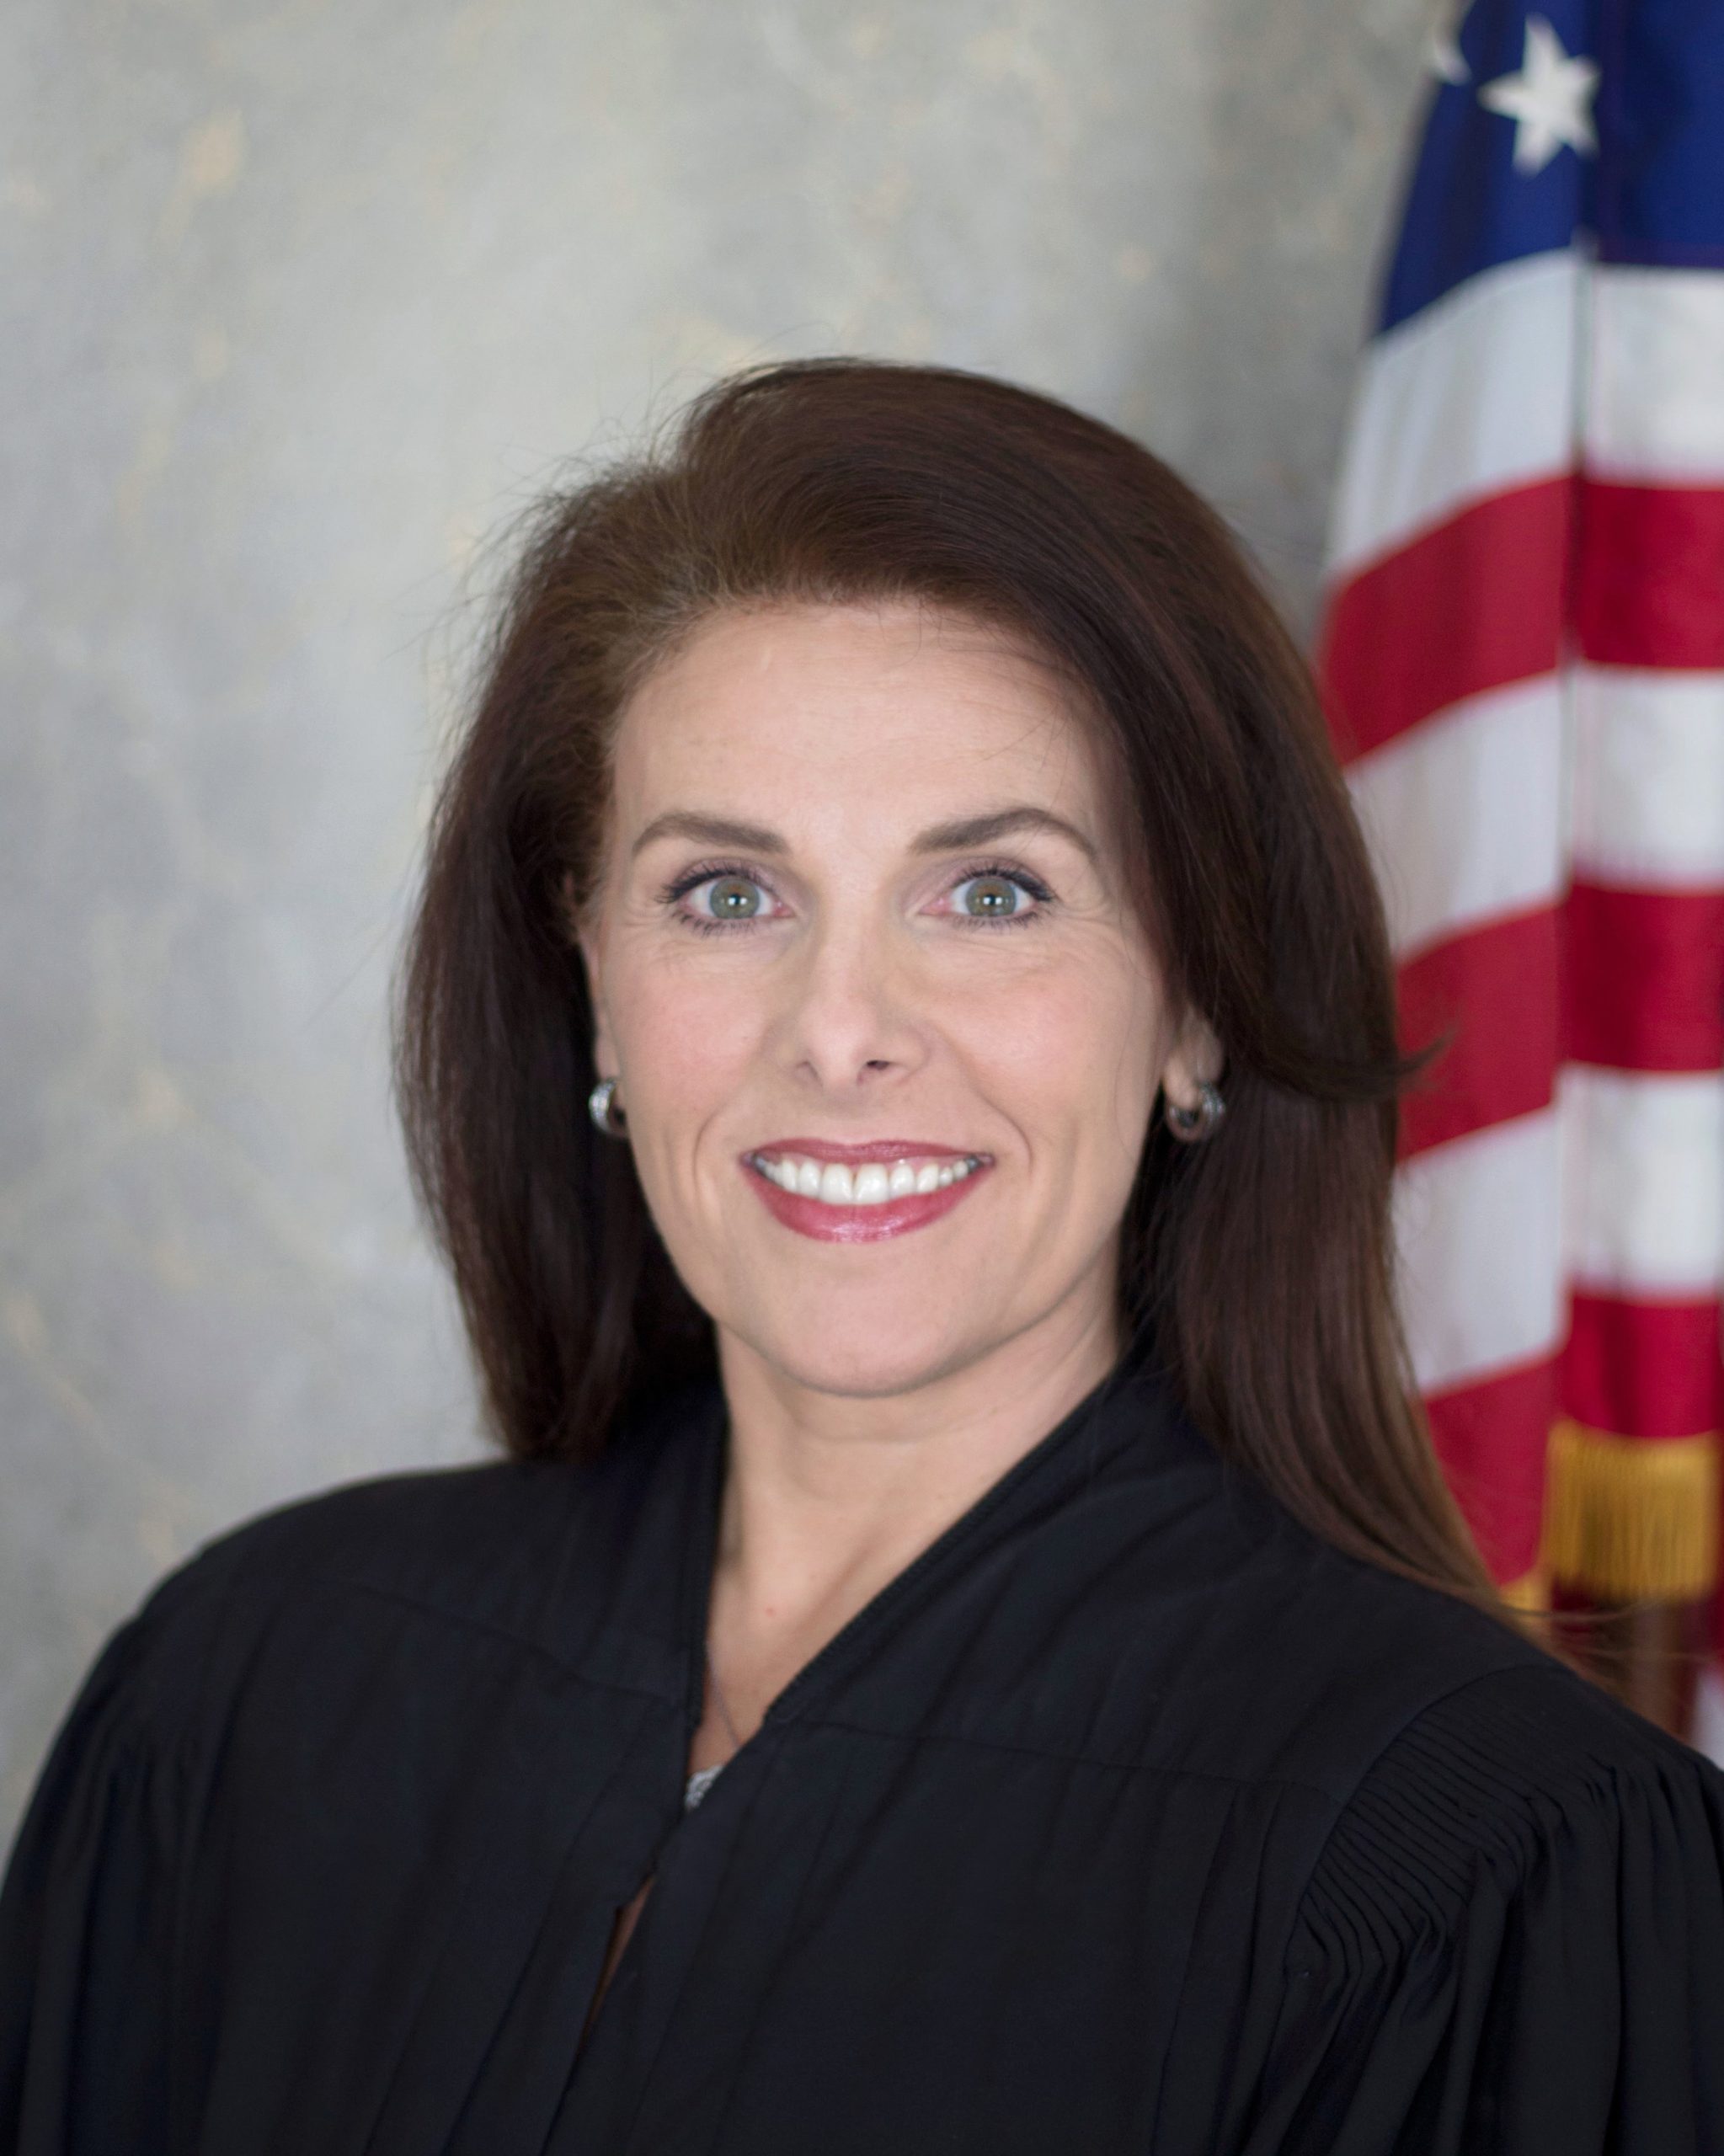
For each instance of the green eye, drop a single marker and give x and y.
(989, 897)
(732, 897)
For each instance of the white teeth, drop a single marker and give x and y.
(873, 1183)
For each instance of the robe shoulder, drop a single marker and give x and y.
(1513, 1940)
(252, 1675)
(469, 1543)
(1479, 1790)
(512, 1548)
(1258, 1653)
(288, 1627)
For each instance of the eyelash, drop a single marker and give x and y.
(708, 872)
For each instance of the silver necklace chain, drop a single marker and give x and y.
(703, 1778)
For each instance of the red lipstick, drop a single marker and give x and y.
(881, 1215)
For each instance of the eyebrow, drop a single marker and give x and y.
(962, 836)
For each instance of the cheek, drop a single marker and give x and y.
(1074, 1053)
(685, 1035)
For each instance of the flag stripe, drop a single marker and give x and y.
(1473, 606)
(1648, 788)
(1645, 977)
(1624, 617)
(1643, 991)
(1478, 602)
(1474, 397)
(1486, 773)
(1648, 783)
(1643, 1370)
(1490, 1438)
(1654, 407)
(1495, 1192)
(1643, 1194)
(1491, 999)
(1623, 1178)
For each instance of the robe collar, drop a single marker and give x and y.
(630, 1603)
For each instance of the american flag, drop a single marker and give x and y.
(1522, 657)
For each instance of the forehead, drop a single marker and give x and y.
(815, 708)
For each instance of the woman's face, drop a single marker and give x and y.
(887, 1033)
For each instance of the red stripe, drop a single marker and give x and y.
(1650, 588)
(1490, 998)
(1645, 988)
(1643, 1370)
(1472, 606)
(1491, 1439)
(1633, 981)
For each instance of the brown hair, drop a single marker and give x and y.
(1259, 1261)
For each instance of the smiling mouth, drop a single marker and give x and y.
(869, 1182)
(867, 1193)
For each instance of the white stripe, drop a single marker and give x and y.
(1464, 814)
(1472, 396)
(1476, 1227)
(1655, 398)
(1649, 778)
(1644, 1180)
(1619, 1187)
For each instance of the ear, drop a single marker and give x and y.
(583, 928)
(1195, 1059)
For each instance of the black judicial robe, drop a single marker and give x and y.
(1127, 1817)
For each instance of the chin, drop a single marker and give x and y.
(839, 1352)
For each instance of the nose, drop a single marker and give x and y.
(850, 1021)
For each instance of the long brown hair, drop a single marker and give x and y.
(1260, 1261)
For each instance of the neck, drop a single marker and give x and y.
(828, 1497)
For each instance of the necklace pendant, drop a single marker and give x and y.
(699, 1782)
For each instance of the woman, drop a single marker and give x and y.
(970, 1650)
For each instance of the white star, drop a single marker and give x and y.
(1550, 99)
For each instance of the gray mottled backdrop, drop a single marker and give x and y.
(301, 300)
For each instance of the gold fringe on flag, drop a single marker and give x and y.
(1631, 1518)
(1531, 1591)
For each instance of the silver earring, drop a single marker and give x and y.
(1191, 1126)
(603, 1107)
